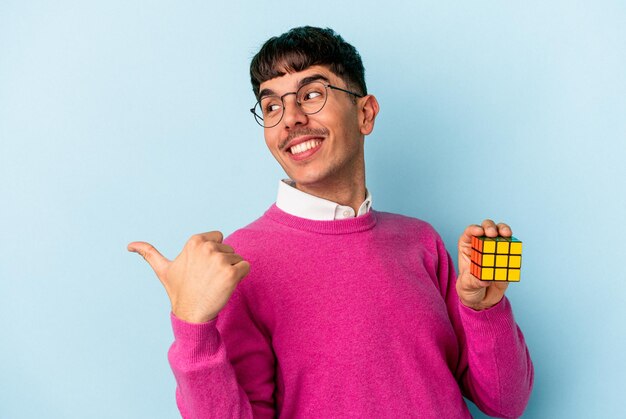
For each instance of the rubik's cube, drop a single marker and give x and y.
(496, 258)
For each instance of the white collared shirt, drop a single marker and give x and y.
(301, 204)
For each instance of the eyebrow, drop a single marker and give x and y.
(266, 92)
(306, 80)
(312, 78)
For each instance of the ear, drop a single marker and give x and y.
(368, 109)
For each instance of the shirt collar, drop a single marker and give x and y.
(301, 204)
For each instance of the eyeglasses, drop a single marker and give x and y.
(310, 97)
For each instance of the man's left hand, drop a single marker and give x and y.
(473, 292)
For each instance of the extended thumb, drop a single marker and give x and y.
(155, 259)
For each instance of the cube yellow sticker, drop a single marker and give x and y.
(496, 258)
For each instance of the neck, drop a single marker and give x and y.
(350, 193)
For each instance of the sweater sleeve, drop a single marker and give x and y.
(495, 370)
(223, 368)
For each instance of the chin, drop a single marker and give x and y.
(306, 178)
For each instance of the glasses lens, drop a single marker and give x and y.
(270, 110)
(312, 97)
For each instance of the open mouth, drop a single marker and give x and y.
(304, 147)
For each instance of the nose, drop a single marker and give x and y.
(293, 113)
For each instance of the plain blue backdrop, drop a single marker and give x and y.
(128, 120)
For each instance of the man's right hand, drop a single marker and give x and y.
(201, 279)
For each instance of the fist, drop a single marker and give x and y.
(473, 292)
(200, 281)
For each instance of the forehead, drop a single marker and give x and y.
(291, 80)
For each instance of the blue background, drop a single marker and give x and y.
(128, 120)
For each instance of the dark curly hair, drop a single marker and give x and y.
(303, 47)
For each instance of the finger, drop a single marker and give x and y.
(470, 290)
(478, 283)
(490, 228)
(504, 230)
(231, 258)
(216, 247)
(479, 294)
(471, 230)
(211, 236)
(156, 260)
(224, 248)
(242, 268)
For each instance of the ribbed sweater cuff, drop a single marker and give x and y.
(201, 339)
(494, 321)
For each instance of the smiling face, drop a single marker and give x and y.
(322, 151)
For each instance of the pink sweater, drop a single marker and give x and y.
(351, 318)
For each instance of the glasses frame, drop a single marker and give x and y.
(259, 119)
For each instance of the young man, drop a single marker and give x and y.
(345, 311)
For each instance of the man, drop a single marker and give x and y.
(345, 311)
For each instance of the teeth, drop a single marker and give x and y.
(302, 147)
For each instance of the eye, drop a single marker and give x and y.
(271, 105)
(312, 93)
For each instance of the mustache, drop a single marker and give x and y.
(318, 132)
